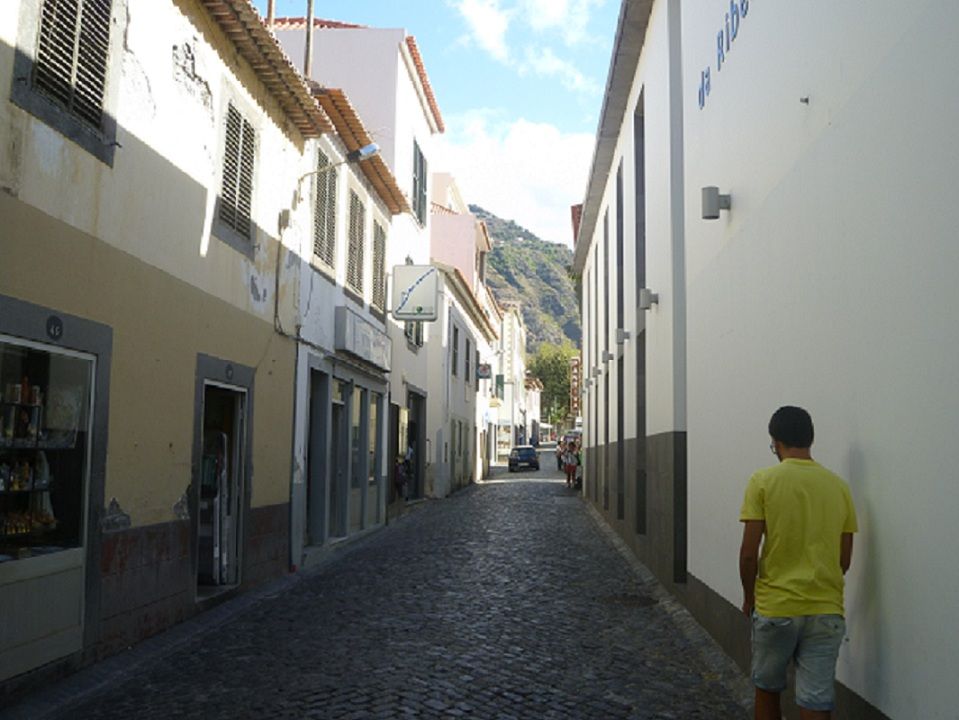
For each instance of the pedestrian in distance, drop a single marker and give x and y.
(804, 517)
(560, 449)
(570, 463)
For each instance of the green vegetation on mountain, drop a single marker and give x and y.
(535, 273)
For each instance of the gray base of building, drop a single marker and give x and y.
(148, 584)
(652, 523)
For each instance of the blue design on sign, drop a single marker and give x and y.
(405, 295)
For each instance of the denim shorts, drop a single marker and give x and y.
(812, 641)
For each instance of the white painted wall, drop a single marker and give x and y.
(664, 380)
(320, 291)
(372, 66)
(831, 284)
(451, 396)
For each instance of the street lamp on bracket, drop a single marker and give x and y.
(352, 157)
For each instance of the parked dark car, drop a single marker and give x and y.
(523, 456)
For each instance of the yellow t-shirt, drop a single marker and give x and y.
(807, 508)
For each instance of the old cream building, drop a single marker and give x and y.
(147, 395)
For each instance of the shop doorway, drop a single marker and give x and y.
(339, 488)
(221, 488)
(317, 464)
(416, 443)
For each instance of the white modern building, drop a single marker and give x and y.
(383, 73)
(825, 280)
(511, 381)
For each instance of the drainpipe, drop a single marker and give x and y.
(308, 54)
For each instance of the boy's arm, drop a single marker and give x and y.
(845, 552)
(749, 561)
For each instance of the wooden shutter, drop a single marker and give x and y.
(354, 265)
(379, 266)
(72, 52)
(239, 156)
(324, 212)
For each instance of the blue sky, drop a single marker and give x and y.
(519, 83)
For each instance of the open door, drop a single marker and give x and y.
(221, 488)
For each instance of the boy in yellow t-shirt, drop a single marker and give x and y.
(804, 516)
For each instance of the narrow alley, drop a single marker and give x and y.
(529, 611)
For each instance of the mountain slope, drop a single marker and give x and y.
(525, 269)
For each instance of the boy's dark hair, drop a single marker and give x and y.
(791, 426)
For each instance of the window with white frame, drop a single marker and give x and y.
(324, 211)
(379, 266)
(354, 261)
(239, 158)
(466, 361)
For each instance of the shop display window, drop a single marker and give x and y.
(355, 436)
(373, 437)
(45, 420)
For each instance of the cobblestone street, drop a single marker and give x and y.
(507, 600)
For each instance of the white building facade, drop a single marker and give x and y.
(341, 470)
(459, 412)
(384, 75)
(511, 382)
(802, 292)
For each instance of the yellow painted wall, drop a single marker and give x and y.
(159, 325)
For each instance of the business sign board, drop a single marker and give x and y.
(484, 371)
(416, 290)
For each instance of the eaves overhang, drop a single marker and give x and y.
(425, 83)
(468, 298)
(242, 24)
(354, 134)
(628, 46)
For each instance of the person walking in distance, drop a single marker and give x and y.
(570, 463)
(803, 516)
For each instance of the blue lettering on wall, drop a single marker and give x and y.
(704, 87)
(738, 10)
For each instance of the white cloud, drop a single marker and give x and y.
(520, 170)
(488, 23)
(545, 63)
(568, 17)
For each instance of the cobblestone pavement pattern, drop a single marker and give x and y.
(504, 601)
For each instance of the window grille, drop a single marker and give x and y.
(354, 263)
(419, 184)
(238, 159)
(324, 211)
(71, 64)
(379, 266)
